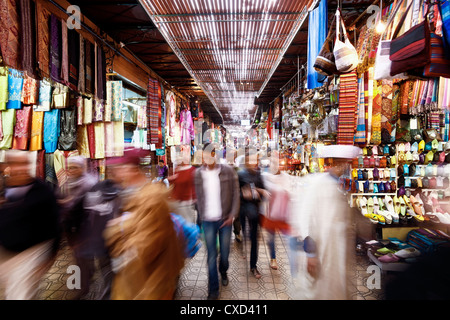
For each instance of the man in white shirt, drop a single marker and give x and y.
(218, 200)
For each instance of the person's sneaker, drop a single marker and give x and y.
(238, 238)
(273, 264)
(256, 273)
(224, 279)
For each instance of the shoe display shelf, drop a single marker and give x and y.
(387, 266)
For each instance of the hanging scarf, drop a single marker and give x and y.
(30, 93)
(51, 130)
(82, 73)
(22, 128)
(43, 38)
(15, 87)
(74, 51)
(37, 130)
(55, 48)
(317, 32)
(3, 87)
(386, 104)
(108, 102)
(376, 111)
(10, 35)
(28, 41)
(347, 108)
(116, 100)
(396, 101)
(8, 123)
(64, 54)
(68, 137)
(360, 136)
(89, 68)
(45, 97)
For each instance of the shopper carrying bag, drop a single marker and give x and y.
(345, 54)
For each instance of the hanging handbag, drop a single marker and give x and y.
(345, 54)
(382, 68)
(410, 50)
(325, 63)
(439, 65)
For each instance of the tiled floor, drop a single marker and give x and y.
(273, 285)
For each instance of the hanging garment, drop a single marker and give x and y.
(61, 166)
(109, 139)
(99, 128)
(1, 127)
(50, 174)
(395, 113)
(91, 139)
(37, 130)
(108, 102)
(8, 123)
(82, 141)
(40, 165)
(3, 87)
(171, 111)
(74, 51)
(376, 112)
(347, 108)
(386, 105)
(60, 96)
(22, 128)
(88, 110)
(119, 139)
(15, 87)
(317, 33)
(28, 39)
(142, 117)
(45, 88)
(89, 67)
(154, 112)
(10, 35)
(30, 92)
(55, 48)
(360, 136)
(43, 38)
(64, 54)
(187, 127)
(68, 137)
(80, 110)
(99, 110)
(101, 75)
(82, 67)
(51, 130)
(116, 102)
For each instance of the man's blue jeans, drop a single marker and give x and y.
(211, 229)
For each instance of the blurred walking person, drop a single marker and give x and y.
(275, 218)
(323, 218)
(29, 233)
(252, 194)
(147, 257)
(101, 204)
(73, 213)
(183, 190)
(217, 190)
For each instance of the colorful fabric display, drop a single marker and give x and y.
(8, 123)
(45, 89)
(37, 130)
(3, 87)
(51, 130)
(347, 108)
(360, 136)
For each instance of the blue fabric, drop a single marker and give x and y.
(51, 130)
(189, 233)
(317, 33)
(15, 86)
(445, 15)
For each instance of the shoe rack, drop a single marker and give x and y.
(366, 164)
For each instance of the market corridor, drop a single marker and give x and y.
(273, 285)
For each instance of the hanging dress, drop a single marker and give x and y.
(37, 130)
(15, 87)
(8, 123)
(22, 128)
(51, 130)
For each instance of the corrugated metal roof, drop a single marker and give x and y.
(230, 47)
